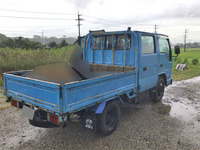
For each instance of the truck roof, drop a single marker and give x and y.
(143, 32)
(96, 32)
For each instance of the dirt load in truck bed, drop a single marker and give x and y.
(60, 73)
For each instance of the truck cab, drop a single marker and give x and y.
(149, 53)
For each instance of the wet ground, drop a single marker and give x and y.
(184, 99)
(173, 123)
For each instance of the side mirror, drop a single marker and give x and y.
(176, 49)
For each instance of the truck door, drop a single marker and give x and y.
(165, 58)
(149, 62)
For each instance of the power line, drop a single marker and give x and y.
(79, 20)
(102, 19)
(109, 21)
(32, 32)
(37, 12)
(34, 26)
(34, 18)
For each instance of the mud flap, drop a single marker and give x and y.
(28, 112)
(89, 121)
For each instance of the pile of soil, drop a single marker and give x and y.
(59, 73)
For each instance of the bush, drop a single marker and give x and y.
(19, 59)
(185, 61)
(179, 60)
(195, 61)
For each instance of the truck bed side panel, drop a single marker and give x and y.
(83, 94)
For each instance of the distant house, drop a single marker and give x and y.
(47, 47)
(36, 37)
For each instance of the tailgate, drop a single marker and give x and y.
(36, 92)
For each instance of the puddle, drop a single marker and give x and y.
(183, 111)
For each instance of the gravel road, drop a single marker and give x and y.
(173, 123)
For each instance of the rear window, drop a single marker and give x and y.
(106, 42)
(97, 42)
(120, 42)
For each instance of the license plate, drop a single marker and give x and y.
(28, 112)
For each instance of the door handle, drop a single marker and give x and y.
(161, 65)
(144, 68)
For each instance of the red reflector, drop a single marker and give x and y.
(54, 119)
(14, 103)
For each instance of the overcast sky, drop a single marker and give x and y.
(57, 17)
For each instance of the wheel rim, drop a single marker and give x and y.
(111, 118)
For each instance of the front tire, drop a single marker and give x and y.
(109, 118)
(158, 92)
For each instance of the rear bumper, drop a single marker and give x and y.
(42, 119)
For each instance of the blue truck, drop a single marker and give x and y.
(126, 64)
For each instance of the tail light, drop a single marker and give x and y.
(53, 118)
(16, 103)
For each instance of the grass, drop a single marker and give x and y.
(3, 103)
(187, 57)
(19, 59)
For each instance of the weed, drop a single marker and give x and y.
(185, 61)
(195, 61)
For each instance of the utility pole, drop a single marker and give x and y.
(156, 28)
(79, 23)
(185, 37)
(43, 39)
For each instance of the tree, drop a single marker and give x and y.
(37, 45)
(63, 44)
(18, 42)
(21, 43)
(8, 43)
(3, 37)
(52, 44)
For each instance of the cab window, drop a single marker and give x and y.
(164, 47)
(148, 46)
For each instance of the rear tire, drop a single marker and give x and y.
(109, 118)
(158, 92)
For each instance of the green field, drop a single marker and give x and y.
(18, 59)
(187, 57)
